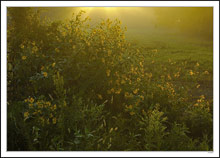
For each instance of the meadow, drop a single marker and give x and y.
(105, 87)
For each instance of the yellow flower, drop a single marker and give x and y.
(53, 64)
(112, 90)
(141, 64)
(196, 104)
(51, 115)
(57, 50)
(26, 114)
(116, 128)
(197, 64)
(99, 96)
(177, 74)
(122, 81)
(135, 91)
(118, 91)
(30, 105)
(191, 72)
(48, 103)
(169, 77)
(42, 68)
(22, 46)
(35, 49)
(42, 120)
(54, 120)
(127, 95)
(45, 74)
(129, 107)
(202, 97)
(132, 113)
(206, 72)
(54, 107)
(108, 72)
(154, 50)
(24, 57)
(198, 86)
(138, 79)
(199, 100)
(31, 100)
(74, 47)
(142, 97)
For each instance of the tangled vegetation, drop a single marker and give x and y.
(76, 87)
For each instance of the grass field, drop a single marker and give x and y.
(105, 87)
(178, 49)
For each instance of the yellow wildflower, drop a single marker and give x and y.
(42, 68)
(99, 96)
(24, 57)
(169, 77)
(198, 86)
(48, 103)
(22, 46)
(53, 64)
(31, 100)
(132, 113)
(191, 72)
(142, 97)
(74, 47)
(108, 72)
(54, 120)
(35, 49)
(141, 64)
(136, 91)
(116, 128)
(45, 74)
(197, 64)
(30, 105)
(206, 72)
(112, 90)
(122, 81)
(54, 107)
(57, 50)
(26, 114)
(118, 91)
(196, 104)
(202, 97)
